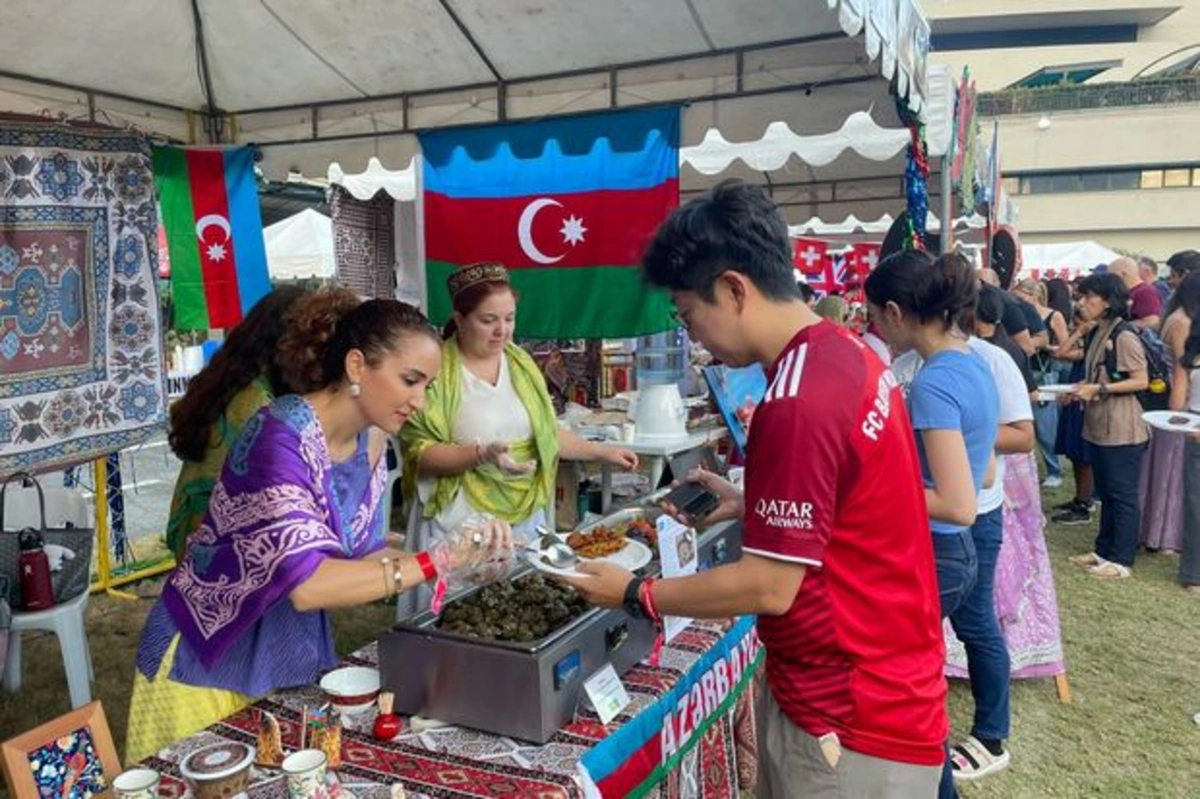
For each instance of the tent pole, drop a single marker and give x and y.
(213, 121)
(947, 207)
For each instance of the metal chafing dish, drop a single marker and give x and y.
(523, 690)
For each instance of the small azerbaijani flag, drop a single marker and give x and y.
(214, 232)
(568, 205)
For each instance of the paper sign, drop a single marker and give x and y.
(678, 550)
(607, 693)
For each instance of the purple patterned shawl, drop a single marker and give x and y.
(270, 523)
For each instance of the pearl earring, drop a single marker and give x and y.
(355, 390)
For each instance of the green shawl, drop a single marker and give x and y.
(196, 479)
(512, 498)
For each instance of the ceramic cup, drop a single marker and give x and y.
(137, 783)
(305, 771)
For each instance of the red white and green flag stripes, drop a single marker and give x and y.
(210, 212)
(568, 205)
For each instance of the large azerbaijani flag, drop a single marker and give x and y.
(567, 205)
(214, 233)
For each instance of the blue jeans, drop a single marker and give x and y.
(975, 623)
(1117, 471)
(1045, 426)
(956, 568)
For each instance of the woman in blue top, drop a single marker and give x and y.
(925, 305)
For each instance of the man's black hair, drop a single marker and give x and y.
(735, 227)
(806, 292)
(989, 308)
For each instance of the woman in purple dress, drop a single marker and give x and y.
(294, 526)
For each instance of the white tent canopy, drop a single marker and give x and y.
(853, 225)
(1066, 260)
(859, 134)
(315, 83)
(300, 247)
(858, 149)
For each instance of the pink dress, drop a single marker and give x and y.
(1160, 490)
(1026, 602)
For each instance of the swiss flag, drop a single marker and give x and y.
(810, 255)
(866, 258)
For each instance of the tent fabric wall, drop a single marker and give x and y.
(1067, 260)
(300, 247)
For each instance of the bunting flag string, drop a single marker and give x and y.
(833, 267)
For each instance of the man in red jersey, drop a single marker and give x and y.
(838, 563)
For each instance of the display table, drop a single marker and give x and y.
(678, 737)
(655, 452)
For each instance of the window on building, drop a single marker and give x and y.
(1096, 181)
(1102, 180)
(1176, 178)
(1123, 181)
(1066, 182)
(1065, 74)
(1041, 184)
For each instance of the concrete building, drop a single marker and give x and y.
(1099, 110)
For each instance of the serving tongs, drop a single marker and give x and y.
(553, 549)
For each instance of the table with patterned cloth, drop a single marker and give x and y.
(450, 762)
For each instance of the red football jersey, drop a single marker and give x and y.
(833, 482)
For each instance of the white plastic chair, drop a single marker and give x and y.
(66, 621)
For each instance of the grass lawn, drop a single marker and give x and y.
(1133, 655)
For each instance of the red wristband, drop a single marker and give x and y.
(648, 605)
(426, 564)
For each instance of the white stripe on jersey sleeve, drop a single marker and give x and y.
(794, 384)
(787, 558)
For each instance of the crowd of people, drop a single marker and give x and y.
(875, 482)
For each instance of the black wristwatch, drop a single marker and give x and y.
(632, 604)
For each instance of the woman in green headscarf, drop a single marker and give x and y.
(487, 440)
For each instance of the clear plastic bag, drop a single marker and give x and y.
(465, 559)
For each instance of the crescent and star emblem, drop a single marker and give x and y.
(572, 231)
(217, 250)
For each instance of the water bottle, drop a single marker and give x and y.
(37, 591)
(661, 359)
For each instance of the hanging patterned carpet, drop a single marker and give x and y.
(81, 357)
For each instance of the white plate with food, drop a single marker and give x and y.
(632, 555)
(1173, 421)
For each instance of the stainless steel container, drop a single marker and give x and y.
(522, 690)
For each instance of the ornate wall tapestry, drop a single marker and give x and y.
(81, 355)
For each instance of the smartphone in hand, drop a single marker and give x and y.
(693, 500)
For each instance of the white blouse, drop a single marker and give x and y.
(490, 413)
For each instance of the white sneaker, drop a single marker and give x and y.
(1052, 482)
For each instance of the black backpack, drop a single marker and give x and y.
(1159, 369)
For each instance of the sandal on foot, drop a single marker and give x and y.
(971, 760)
(1086, 561)
(1110, 571)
